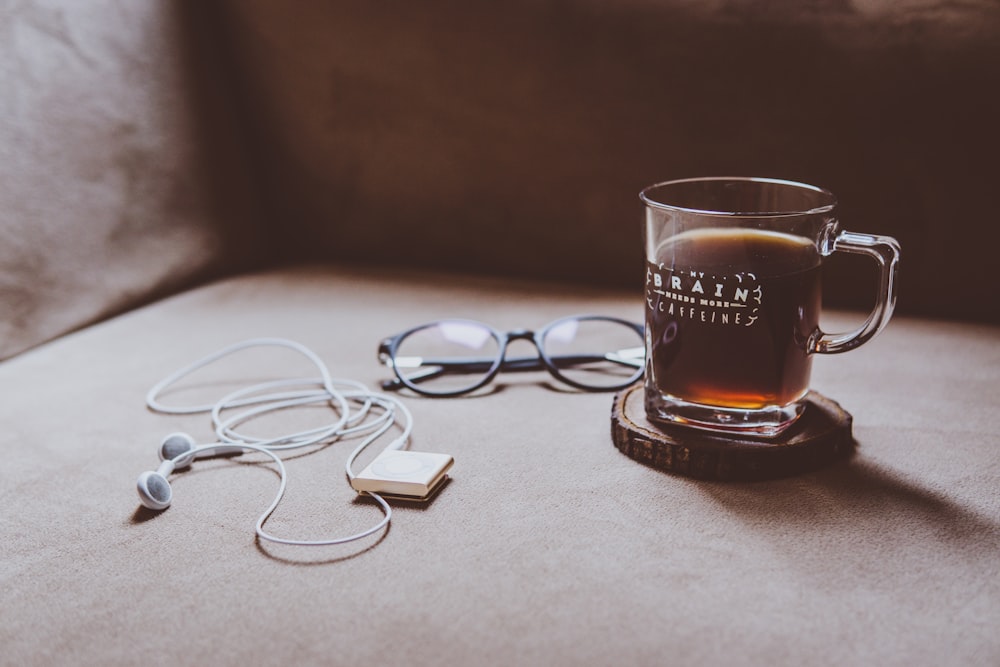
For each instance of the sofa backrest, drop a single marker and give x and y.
(120, 176)
(514, 137)
(145, 147)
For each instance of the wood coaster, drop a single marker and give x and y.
(819, 437)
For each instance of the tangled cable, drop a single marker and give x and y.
(359, 412)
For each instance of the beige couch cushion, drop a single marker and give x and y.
(549, 547)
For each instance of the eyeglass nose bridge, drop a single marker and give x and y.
(520, 334)
(537, 362)
(523, 334)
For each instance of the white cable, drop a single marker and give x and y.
(375, 414)
(160, 386)
(283, 480)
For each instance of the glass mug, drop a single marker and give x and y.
(733, 298)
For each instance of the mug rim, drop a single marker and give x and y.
(646, 197)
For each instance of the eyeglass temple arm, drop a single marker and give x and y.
(432, 368)
(429, 369)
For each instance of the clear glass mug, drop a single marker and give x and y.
(733, 299)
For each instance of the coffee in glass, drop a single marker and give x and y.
(733, 299)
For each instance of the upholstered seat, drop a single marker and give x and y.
(548, 546)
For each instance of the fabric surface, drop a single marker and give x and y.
(514, 139)
(118, 183)
(548, 547)
(139, 141)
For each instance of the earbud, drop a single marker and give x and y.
(357, 412)
(153, 487)
(177, 444)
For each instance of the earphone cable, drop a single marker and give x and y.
(375, 415)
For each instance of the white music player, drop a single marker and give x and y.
(404, 475)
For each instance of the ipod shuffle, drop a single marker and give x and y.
(404, 475)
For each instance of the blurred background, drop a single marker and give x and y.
(514, 138)
(150, 146)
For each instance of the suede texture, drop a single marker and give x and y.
(148, 148)
(121, 174)
(515, 139)
(548, 547)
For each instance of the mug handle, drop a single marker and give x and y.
(885, 251)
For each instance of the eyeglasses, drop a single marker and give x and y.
(453, 357)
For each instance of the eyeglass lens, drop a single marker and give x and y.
(447, 356)
(594, 353)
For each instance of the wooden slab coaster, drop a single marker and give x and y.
(821, 436)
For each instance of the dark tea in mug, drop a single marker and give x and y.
(730, 313)
(733, 297)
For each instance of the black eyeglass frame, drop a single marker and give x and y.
(388, 347)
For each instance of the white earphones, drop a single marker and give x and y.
(357, 410)
(175, 445)
(176, 451)
(154, 489)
